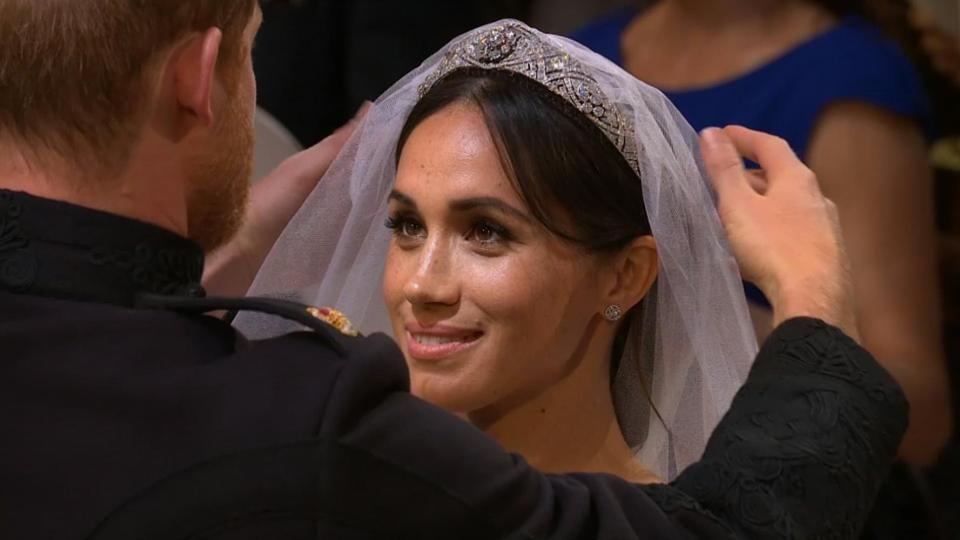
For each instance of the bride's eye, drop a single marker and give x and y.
(405, 227)
(488, 234)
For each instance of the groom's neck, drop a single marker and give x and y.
(147, 190)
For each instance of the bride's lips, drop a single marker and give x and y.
(438, 342)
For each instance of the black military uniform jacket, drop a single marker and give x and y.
(125, 415)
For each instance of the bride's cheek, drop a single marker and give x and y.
(394, 277)
(496, 288)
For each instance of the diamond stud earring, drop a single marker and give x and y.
(613, 313)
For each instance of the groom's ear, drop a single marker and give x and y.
(194, 71)
(632, 273)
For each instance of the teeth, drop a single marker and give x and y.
(437, 340)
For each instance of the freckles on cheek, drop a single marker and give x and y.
(552, 294)
(516, 292)
(393, 280)
(497, 288)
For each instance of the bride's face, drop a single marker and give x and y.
(488, 306)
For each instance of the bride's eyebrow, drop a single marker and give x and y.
(402, 198)
(465, 205)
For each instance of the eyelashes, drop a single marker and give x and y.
(488, 232)
(485, 233)
(405, 226)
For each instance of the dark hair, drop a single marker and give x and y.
(563, 166)
(891, 16)
(576, 183)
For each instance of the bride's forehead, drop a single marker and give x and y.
(453, 125)
(454, 140)
(451, 155)
(431, 184)
(425, 186)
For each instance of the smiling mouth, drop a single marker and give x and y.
(437, 347)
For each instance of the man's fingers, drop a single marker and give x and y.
(772, 153)
(757, 179)
(314, 161)
(361, 113)
(339, 137)
(724, 164)
(775, 157)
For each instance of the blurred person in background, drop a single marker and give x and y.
(829, 77)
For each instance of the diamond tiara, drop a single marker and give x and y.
(516, 48)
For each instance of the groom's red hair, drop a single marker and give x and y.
(73, 72)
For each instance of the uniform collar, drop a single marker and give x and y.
(56, 249)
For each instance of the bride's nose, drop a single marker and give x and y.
(434, 281)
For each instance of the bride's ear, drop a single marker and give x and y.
(631, 273)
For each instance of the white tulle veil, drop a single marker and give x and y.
(689, 349)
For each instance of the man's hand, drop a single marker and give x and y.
(784, 233)
(273, 202)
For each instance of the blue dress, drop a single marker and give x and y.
(850, 61)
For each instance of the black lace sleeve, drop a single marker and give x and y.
(807, 442)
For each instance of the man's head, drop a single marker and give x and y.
(109, 89)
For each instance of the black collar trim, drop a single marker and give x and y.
(61, 250)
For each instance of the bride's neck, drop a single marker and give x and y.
(570, 427)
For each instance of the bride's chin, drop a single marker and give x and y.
(448, 397)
